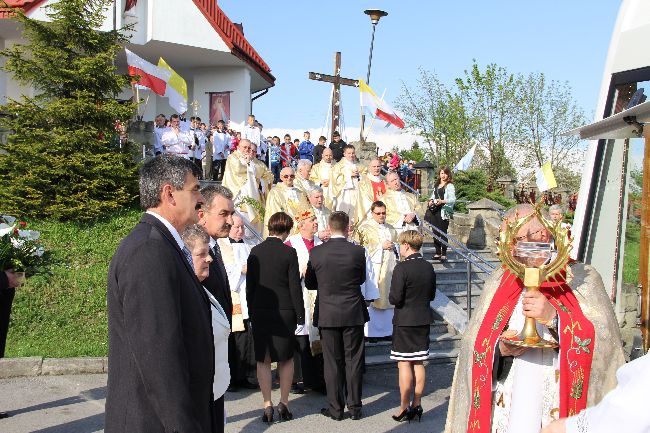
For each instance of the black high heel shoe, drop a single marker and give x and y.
(416, 411)
(267, 417)
(405, 415)
(283, 413)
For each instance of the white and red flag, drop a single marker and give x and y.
(378, 108)
(151, 76)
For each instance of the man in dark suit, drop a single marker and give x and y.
(9, 280)
(216, 217)
(160, 343)
(337, 269)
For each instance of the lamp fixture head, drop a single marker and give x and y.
(375, 14)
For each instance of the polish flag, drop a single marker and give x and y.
(151, 76)
(378, 108)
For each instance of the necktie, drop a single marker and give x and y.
(188, 256)
(216, 250)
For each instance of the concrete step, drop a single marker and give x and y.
(442, 356)
(457, 274)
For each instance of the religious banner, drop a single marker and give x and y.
(130, 4)
(219, 107)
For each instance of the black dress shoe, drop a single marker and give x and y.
(356, 415)
(232, 388)
(297, 388)
(326, 412)
(4, 415)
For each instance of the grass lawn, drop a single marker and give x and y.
(64, 314)
(631, 258)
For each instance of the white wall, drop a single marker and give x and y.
(221, 79)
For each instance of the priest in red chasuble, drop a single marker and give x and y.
(371, 189)
(500, 388)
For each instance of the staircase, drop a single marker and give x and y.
(451, 279)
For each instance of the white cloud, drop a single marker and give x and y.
(385, 138)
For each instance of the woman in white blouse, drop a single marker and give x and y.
(197, 242)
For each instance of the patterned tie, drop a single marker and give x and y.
(188, 256)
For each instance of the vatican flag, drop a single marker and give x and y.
(545, 178)
(176, 89)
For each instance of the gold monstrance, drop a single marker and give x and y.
(530, 262)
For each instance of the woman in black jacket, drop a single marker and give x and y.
(276, 307)
(412, 289)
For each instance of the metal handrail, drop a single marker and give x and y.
(460, 245)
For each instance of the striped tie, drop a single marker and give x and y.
(188, 256)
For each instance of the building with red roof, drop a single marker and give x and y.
(195, 37)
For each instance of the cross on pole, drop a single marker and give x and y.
(337, 81)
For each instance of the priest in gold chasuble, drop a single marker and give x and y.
(284, 197)
(380, 239)
(371, 189)
(345, 178)
(321, 174)
(402, 206)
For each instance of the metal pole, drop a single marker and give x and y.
(372, 45)
(114, 15)
(469, 289)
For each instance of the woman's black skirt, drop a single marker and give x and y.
(410, 343)
(274, 333)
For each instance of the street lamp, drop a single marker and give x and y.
(375, 15)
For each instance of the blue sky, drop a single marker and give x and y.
(566, 40)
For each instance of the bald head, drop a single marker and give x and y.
(327, 155)
(533, 230)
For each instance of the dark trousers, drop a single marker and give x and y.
(275, 169)
(310, 368)
(435, 218)
(241, 356)
(343, 359)
(218, 169)
(6, 299)
(217, 417)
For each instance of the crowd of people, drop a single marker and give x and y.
(299, 265)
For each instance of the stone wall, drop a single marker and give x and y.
(479, 228)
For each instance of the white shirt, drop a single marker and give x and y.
(157, 138)
(253, 134)
(177, 143)
(200, 148)
(171, 229)
(222, 142)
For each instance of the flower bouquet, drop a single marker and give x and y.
(20, 249)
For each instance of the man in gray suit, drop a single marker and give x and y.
(337, 269)
(160, 343)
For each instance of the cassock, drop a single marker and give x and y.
(398, 205)
(322, 216)
(241, 350)
(320, 172)
(492, 393)
(371, 189)
(372, 235)
(284, 199)
(344, 186)
(248, 179)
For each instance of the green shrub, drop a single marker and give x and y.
(61, 159)
(472, 185)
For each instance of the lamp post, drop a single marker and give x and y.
(375, 15)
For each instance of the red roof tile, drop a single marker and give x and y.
(229, 32)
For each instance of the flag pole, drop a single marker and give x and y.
(373, 119)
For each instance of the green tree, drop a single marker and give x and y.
(415, 153)
(472, 185)
(61, 157)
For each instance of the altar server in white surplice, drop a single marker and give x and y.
(235, 250)
(379, 238)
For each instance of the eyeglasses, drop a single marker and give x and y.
(289, 176)
(379, 213)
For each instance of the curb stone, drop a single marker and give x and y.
(38, 366)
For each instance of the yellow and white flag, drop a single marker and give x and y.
(545, 178)
(176, 89)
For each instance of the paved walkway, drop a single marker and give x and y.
(75, 404)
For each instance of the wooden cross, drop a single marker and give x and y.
(337, 80)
